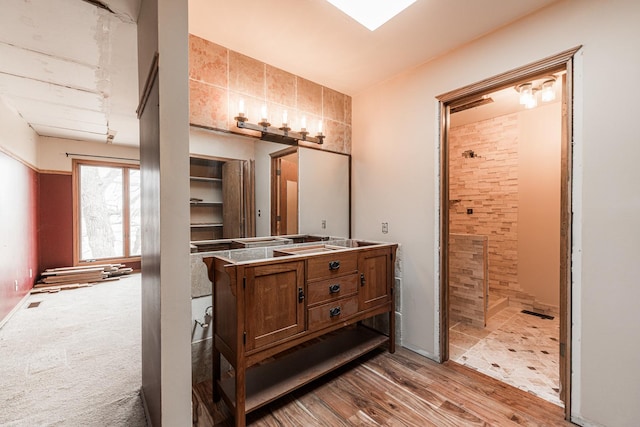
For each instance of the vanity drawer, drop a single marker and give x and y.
(331, 265)
(332, 289)
(335, 311)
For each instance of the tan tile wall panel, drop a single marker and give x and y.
(208, 62)
(468, 285)
(488, 184)
(219, 78)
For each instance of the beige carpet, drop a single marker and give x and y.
(74, 360)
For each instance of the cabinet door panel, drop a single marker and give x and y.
(375, 278)
(274, 309)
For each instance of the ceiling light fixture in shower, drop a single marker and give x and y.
(528, 91)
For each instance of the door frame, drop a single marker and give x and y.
(275, 183)
(563, 61)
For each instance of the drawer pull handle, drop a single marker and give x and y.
(300, 295)
(334, 265)
(363, 281)
(334, 289)
(335, 311)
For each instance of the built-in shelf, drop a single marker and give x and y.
(206, 195)
(205, 179)
(211, 225)
(268, 381)
(206, 204)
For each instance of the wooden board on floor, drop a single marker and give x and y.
(403, 388)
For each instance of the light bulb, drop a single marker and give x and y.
(303, 124)
(264, 112)
(532, 102)
(526, 93)
(241, 107)
(284, 117)
(548, 94)
(319, 127)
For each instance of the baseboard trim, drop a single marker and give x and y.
(579, 421)
(421, 352)
(14, 310)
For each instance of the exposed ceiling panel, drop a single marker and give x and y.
(68, 66)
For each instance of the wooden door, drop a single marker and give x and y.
(375, 271)
(284, 193)
(274, 297)
(233, 217)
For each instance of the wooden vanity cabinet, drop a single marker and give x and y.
(274, 301)
(376, 271)
(265, 310)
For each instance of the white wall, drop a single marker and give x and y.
(539, 202)
(395, 178)
(217, 144)
(325, 179)
(52, 157)
(17, 138)
(164, 149)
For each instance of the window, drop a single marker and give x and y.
(107, 217)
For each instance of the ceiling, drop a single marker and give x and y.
(69, 67)
(313, 39)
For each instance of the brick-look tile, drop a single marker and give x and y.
(309, 97)
(489, 185)
(207, 62)
(246, 75)
(207, 105)
(333, 105)
(281, 87)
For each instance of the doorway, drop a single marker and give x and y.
(284, 192)
(488, 280)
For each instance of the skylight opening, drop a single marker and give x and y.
(372, 13)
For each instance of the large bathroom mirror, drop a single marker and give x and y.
(312, 197)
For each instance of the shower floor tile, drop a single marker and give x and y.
(517, 348)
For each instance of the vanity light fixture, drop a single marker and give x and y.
(282, 134)
(529, 90)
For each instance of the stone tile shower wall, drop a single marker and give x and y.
(219, 78)
(468, 284)
(487, 183)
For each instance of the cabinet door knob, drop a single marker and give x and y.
(363, 281)
(334, 265)
(334, 289)
(300, 295)
(335, 311)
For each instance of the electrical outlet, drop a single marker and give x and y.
(324, 224)
(385, 227)
(16, 284)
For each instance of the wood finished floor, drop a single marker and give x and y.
(401, 389)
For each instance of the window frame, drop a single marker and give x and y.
(126, 212)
